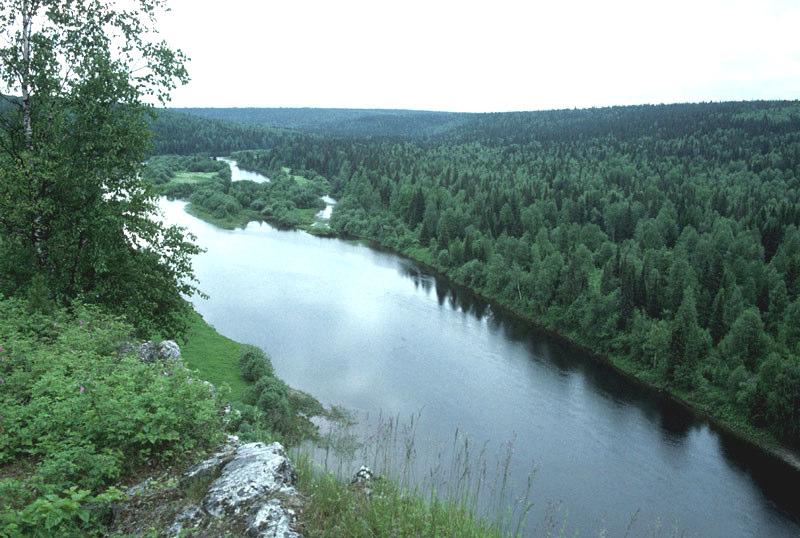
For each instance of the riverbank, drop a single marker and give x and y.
(333, 507)
(720, 417)
(724, 419)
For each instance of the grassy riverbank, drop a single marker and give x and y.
(335, 508)
(213, 356)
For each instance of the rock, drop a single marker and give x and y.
(166, 351)
(272, 520)
(190, 518)
(169, 350)
(242, 486)
(363, 476)
(148, 352)
(210, 468)
(362, 481)
(256, 471)
(139, 488)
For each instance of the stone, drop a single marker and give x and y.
(272, 520)
(139, 488)
(255, 472)
(148, 352)
(246, 487)
(167, 351)
(209, 468)
(190, 518)
(362, 476)
(362, 481)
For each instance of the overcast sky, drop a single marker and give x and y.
(493, 55)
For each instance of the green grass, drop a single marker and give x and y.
(301, 180)
(214, 356)
(192, 177)
(337, 509)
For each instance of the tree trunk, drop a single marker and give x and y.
(25, 83)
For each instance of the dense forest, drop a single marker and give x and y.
(183, 134)
(376, 123)
(664, 237)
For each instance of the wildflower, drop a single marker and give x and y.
(83, 389)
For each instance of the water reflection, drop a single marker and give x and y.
(674, 421)
(375, 333)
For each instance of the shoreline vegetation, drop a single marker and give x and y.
(334, 507)
(735, 426)
(663, 238)
(288, 200)
(96, 439)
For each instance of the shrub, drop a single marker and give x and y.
(271, 396)
(254, 364)
(79, 414)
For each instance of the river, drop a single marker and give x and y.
(373, 332)
(237, 174)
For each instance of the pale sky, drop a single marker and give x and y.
(494, 55)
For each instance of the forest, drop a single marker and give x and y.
(665, 238)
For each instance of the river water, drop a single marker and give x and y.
(237, 174)
(375, 333)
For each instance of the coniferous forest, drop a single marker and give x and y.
(665, 238)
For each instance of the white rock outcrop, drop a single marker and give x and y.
(250, 486)
(257, 471)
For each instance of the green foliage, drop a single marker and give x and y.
(775, 402)
(350, 122)
(598, 224)
(74, 512)
(289, 199)
(80, 413)
(271, 396)
(336, 509)
(254, 364)
(74, 211)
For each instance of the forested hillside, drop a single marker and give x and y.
(184, 134)
(664, 237)
(339, 121)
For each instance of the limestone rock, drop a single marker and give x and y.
(209, 469)
(362, 476)
(244, 486)
(191, 517)
(256, 471)
(272, 520)
(169, 350)
(165, 351)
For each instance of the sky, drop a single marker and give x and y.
(493, 55)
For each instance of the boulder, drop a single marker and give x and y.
(272, 520)
(244, 486)
(256, 471)
(362, 476)
(210, 468)
(165, 351)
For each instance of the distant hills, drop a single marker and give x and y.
(338, 121)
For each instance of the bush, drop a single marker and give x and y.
(79, 414)
(75, 512)
(254, 364)
(270, 395)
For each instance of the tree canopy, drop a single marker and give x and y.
(79, 82)
(665, 237)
